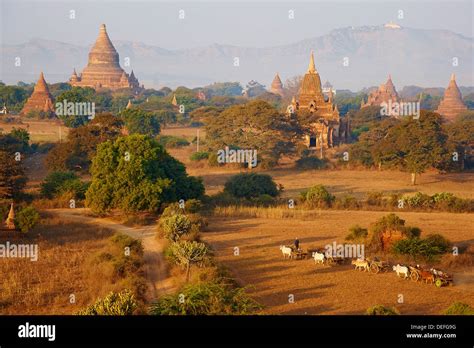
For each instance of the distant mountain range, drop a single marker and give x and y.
(412, 56)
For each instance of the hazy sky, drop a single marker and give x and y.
(245, 23)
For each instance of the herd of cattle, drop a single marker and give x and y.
(415, 273)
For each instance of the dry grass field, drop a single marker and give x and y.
(321, 289)
(40, 131)
(69, 263)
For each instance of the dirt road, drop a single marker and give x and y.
(155, 266)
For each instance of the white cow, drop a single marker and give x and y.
(318, 257)
(286, 251)
(401, 270)
(361, 264)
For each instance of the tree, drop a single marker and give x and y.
(138, 121)
(80, 147)
(175, 226)
(188, 253)
(135, 173)
(253, 126)
(76, 95)
(12, 176)
(413, 145)
(250, 185)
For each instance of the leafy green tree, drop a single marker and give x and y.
(76, 95)
(251, 185)
(317, 196)
(12, 176)
(138, 121)
(188, 253)
(61, 182)
(224, 89)
(175, 226)
(14, 97)
(255, 126)
(414, 145)
(135, 173)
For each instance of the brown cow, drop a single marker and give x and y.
(426, 276)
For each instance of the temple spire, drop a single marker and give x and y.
(453, 77)
(312, 66)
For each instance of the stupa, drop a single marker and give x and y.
(103, 70)
(41, 99)
(383, 94)
(10, 221)
(451, 105)
(277, 86)
(329, 130)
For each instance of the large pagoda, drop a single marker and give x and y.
(326, 132)
(383, 94)
(451, 105)
(41, 99)
(103, 70)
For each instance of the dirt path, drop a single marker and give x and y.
(155, 266)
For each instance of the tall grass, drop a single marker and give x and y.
(278, 212)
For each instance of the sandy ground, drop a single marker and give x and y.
(320, 289)
(160, 282)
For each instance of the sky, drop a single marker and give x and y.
(255, 24)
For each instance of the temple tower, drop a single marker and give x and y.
(277, 86)
(451, 105)
(41, 99)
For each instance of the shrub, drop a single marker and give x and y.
(317, 196)
(188, 253)
(347, 202)
(26, 219)
(208, 298)
(375, 198)
(60, 182)
(171, 141)
(429, 247)
(357, 233)
(250, 185)
(310, 163)
(419, 200)
(263, 200)
(382, 310)
(459, 308)
(175, 226)
(199, 156)
(390, 223)
(122, 303)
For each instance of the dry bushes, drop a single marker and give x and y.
(71, 272)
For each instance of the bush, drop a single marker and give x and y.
(317, 196)
(419, 200)
(199, 156)
(429, 247)
(357, 233)
(347, 202)
(58, 183)
(459, 308)
(209, 298)
(122, 303)
(375, 198)
(382, 310)
(171, 141)
(310, 163)
(174, 227)
(26, 219)
(251, 185)
(263, 200)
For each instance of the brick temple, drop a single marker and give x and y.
(451, 105)
(41, 99)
